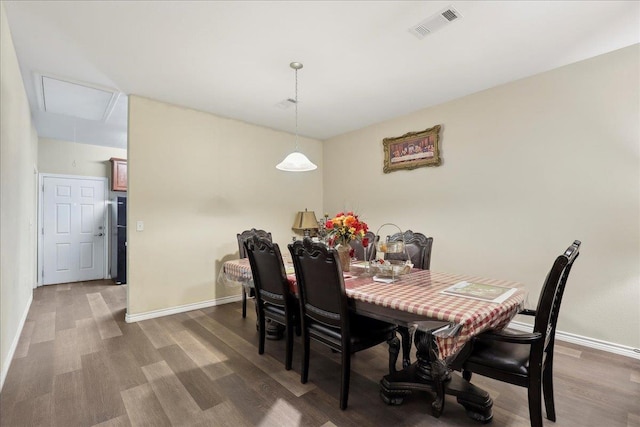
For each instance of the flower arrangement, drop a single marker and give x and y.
(345, 227)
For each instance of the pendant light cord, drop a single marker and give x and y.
(297, 110)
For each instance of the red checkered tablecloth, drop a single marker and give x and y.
(420, 292)
(238, 270)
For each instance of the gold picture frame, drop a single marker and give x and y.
(412, 150)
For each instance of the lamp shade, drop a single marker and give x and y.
(297, 222)
(296, 162)
(305, 220)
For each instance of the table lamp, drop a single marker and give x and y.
(305, 222)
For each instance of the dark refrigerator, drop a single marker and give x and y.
(121, 245)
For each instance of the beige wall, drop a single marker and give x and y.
(196, 180)
(18, 184)
(71, 158)
(528, 167)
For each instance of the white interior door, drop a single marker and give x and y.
(73, 226)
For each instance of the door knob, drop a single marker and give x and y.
(99, 235)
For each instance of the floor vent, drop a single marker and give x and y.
(435, 22)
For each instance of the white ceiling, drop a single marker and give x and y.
(361, 64)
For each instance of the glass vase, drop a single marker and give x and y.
(344, 255)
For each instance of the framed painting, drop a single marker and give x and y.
(412, 150)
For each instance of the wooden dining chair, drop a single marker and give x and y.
(360, 252)
(242, 237)
(525, 359)
(418, 247)
(325, 314)
(274, 299)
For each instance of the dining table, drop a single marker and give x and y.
(442, 323)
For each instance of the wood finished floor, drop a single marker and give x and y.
(79, 364)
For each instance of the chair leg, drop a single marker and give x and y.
(547, 387)
(344, 382)
(244, 302)
(289, 347)
(406, 345)
(535, 403)
(304, 373)
(297, 323)
(394, 351)
(466, 375)
(261, 333)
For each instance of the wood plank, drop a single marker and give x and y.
(248, 401)
(194, 380)
(12, 384)
(143, 407)
(213, 345)
(116, 298)
(128, 373)
(155, 333)
(107, 327)
(176, 401)
(121, 421)
(37, 371)
(225, 414)
(69, 402)
(30, 412)
(101, 388)
(138, 344)
(512, 420)
(80, 308)
(64, 309)
(289, 379)
(282, 413)
(209, 359)
(45, 328)
(22, 349)
(89, 340)
(66, 352)
(567, 351)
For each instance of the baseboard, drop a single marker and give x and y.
(610, 347)
(14, 344)
(131, 318)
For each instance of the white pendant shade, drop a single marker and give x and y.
(296, 162)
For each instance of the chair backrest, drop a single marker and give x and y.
(551, 295)
(362, 253)
(320, 284)
(267, 269)
(418, 246)
(245, 235)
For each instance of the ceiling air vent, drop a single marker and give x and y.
(435, 22)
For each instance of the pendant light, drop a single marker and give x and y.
(296, 161)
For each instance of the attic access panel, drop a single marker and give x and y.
(76, 100)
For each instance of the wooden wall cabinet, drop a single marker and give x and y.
(118, 174)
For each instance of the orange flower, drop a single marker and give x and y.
(343, 228)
